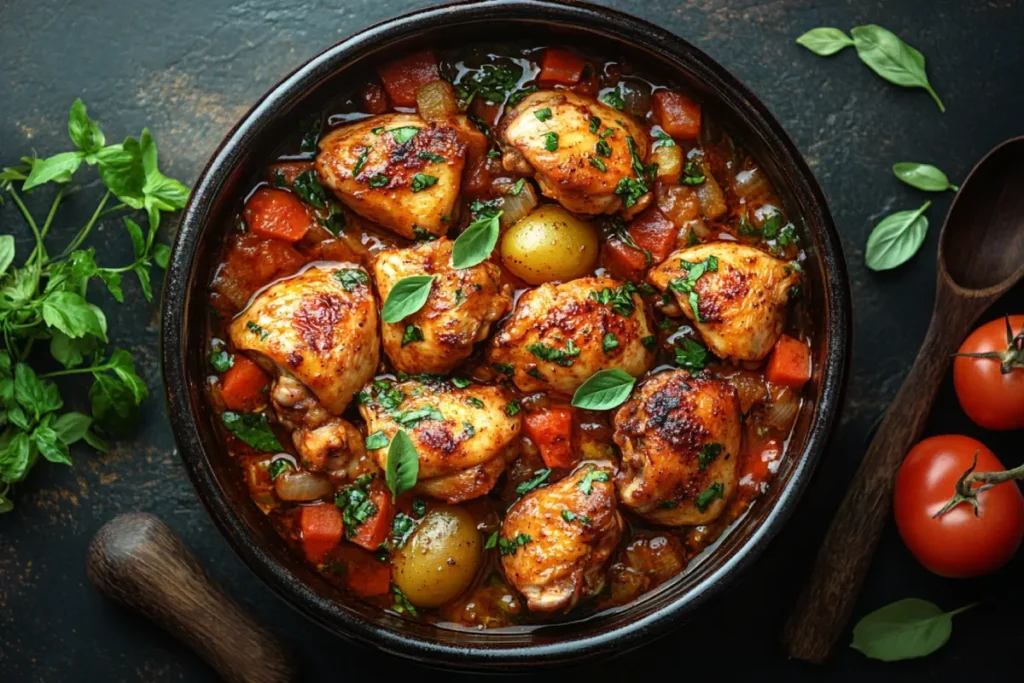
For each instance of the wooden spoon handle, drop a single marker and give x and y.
(138, 561)
(828, 598)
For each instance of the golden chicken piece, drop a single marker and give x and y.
(337, 440)
(396, 170)
(560, 335)
(739, 292)
(555, 540)
(318, 327)
(459, 312)
(453, 429)
(585, 155)
(680, 442)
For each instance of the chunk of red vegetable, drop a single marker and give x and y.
(551, 430)
(653, 231)
(244, 385)
(374, 531)
(561, 66)
(677, 114)
(789, 364)
(321, 527)
(278, 214)
(403, 76)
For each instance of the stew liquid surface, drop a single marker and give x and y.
(508, 336)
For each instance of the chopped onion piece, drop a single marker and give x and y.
(436, 101)
(515, 206)
(302, 486)
(781, 411)
(670, 163)
(712, 199)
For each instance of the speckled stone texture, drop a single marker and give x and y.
(190, 69)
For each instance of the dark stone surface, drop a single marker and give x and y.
(189, 69)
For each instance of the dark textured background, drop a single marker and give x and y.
(189, 69)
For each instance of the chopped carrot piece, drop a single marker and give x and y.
(790, 363)
(244, 385)
(322, 528)
(278, 214)
(403, 76)
(361, 572)
(551, 430)
(375, 99)
(561, 66)
(249, 263)
(622, 260)
(677, 114)
(374, 531)
(652, 231)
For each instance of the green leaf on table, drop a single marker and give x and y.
(73, 315)
(905, 629)
(35, 395)
(403, 465)
(84, 131)
(123, 365)
(892, 59)
(161, 255)
(923, 176)
(896, 238)
(58, 168)
(160, 192)
(407, 296)
(115, 400)
(17, 457)
(50, 445)
(604, 390)
(824, 41)
(71, 352)
(138, 239)
(476, 242)
(120, 167)
(6, 252)
(252, 428)
(72, 427)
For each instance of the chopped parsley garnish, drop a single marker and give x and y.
(350, 278)
(430, 156)
(494, 153)
(489, 209)
(422, 181)
(630, 190)
(517, 96)
(377, 440)
(787, 235)
(692, 174)
(770, 228)
(493, 82)
(468, 430)
(535, 373)
(383, 394)
(355, 504)
(536, 481)
(475, 402)
(716, 490)
(708, 454)
(360, 161)
(663, 139)
(620, 299)
(650, 342)
(503, 368)
(411, 335)
(595, 124)
(335, 221)
(609, 342)
(404, 134)
(492, 541)
(220, 359)
(422, 235)
(419, 507)
(569, 516)
(613, 98)
(551, 141)
(512, 408)
(277, 467)
(401, 528)
(553, 355)
(745, 228)
(402, 604)
(586, 484)
(509, 546)
(518, 187)
(411, 418)
(668, 504)
(460, 296)
(691, 356)
(598, 164)
(257, 330)
(667, 324)
(543, 114)
(277, 177)
(687, 285)
(479, 123)
(602, 147)
(379, 180)
(310, 190)
(460, 382)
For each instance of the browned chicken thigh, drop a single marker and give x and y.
(555, 540)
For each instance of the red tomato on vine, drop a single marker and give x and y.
(988, 374)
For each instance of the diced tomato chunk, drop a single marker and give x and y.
(561, 66)
(790, 363)
(403, 76)
(375, 100)
(677, 114)
(250, 262)
(758, 454)
(625, 262)
(321, 528)
(278, 214)
(374, 531)
(652, 231)
(361, 572)
(244, 385)
(551, 430)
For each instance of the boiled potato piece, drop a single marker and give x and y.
(549, 244)
(440, 558)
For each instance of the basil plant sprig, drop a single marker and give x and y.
(44, 301)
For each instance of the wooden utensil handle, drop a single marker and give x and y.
(138, 561)
(824, 606)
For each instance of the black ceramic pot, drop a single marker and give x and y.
(240, 159)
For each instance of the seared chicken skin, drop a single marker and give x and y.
(560, 335)
(680, 443)
(459, 312)
(396, 170)
(453, 429)
(337, 441)
(740, 294)
(578, 149)
(555, 541)
(316, 330)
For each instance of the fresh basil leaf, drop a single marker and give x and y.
(543, 114)
(905, 629)
(58, 168)
(73, 315)
(138, 240)
(120, 167)
(475, 244)
(252, 428)
(6, 252)
(537, 480)
(71, 352)
(33, 394)
(161, 256)
(403, 464)
(923, 176)
(407, 296)
(17, 458)
(824, 41)
(896, 238)
(113, 405)
(123, 365)
(50, 445)
(96, 441)
(72, 427)
(892, 59)
(309, 189)
(604, 390)
(586, 484)
(377, 440)
(422, 181)
(350, 278)
(82, 130)
(691, 356)
(168, 194)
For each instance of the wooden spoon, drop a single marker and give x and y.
(138, 561)
(981, 255)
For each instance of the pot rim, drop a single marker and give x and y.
(610, 24)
